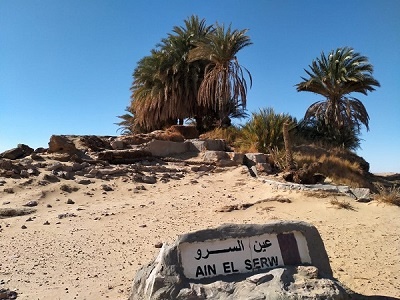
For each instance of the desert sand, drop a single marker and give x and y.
(91, 249)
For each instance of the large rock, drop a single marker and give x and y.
(295, 282)
(281, 259)
(251, 159)
(204, 145)
(221, 158)
(165, 148)
(21, 151)
(61, 144)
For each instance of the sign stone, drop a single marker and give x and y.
(243, 255)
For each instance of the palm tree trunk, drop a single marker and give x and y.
(288, 147)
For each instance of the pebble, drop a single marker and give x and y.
(31, 203)
(158, 245)
(70, 201)
(23, 227)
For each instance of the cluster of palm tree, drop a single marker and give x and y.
(194, 74)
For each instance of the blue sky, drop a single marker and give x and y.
(66, 66)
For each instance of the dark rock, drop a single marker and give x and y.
(93, 143)
(6, 294)
(140, 188)
(26, 149)
(83, 181)
(40, 150)
(70, 201)
(36, 156)
(49, 178)
(203, 168)
(69, 189)
(158, 245)
(31, 203)
(6, 164)
(33, 171)
(106, 187)
(14, 153)
(149, 179)
(66, 215)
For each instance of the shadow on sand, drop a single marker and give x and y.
(362, 297)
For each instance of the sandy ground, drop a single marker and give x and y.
(95, 254)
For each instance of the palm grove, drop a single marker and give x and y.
(194, 74)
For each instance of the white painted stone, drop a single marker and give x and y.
(223, 257)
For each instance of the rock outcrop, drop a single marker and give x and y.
(169, 275)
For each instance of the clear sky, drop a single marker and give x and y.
(66, 66)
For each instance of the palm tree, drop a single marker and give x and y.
(147, 100)
(317, 131)
(264, 131)
(126, 124)
(165, 83)
(224, 80)
(335, 77)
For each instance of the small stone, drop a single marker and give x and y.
(29, 219)
(158, 245)
(70, 201)
(143, 226)
(149, 179)
(31, 203)
(49, 206)
(66, 215)
(106, 188)
(83, 181)
(46, 223)
(23, 227)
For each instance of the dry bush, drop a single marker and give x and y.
(168, 136)
(321, 194)
(390, 195)
(277, 198)
(278, 158)
(341, 204)
(339, 169)
(247, 148)
(229, 134)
